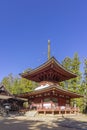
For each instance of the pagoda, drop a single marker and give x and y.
(49, 96)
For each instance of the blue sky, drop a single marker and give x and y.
(26, 26)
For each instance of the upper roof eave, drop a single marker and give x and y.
(52, 60)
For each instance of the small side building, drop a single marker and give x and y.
(6, 98)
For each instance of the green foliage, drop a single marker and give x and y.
(73, 65)
(84, 83)
(74, 84)
(67, 63)
(25, 105)
(18, 85)
(8, 82)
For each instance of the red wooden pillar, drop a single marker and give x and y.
(42, 103)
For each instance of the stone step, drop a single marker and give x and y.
(30, 113)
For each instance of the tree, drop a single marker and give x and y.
(73, 84)
(17, 85)
(67, 64)
(76, 82)
(8, 82)
(73, 65)
(84, 83)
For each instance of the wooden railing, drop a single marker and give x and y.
(59, 110)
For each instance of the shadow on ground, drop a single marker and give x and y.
(59, 124)
(72, 123)
(12, 124)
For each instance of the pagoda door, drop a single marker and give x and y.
(62, 102)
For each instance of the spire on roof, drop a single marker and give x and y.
(48, 49)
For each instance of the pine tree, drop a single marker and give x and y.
(73, 65)
(67, 64)
(17, 85)
(84, 83)
(73, 84)
(76, 82)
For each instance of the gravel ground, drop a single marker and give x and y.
(68, 122)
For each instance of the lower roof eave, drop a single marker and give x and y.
(60, 91)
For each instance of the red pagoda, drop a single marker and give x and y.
(49, 96)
